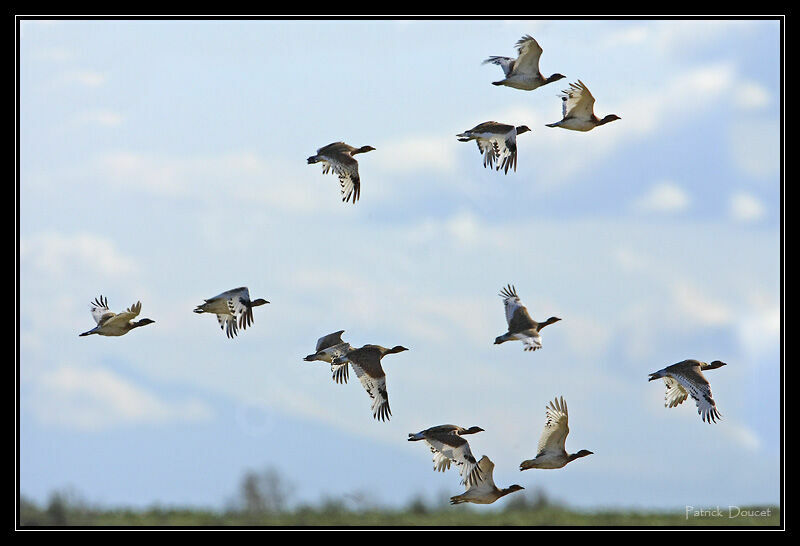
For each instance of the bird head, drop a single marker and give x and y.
(609, 118)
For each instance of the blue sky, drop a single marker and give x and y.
(164, 161)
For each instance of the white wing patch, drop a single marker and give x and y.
(228, 324)
(556, 428)
(444, 454)
(701, 394)
(340, 373)
(511, 303)
(99, 309)
(675, 394)
(531, 342)
(376, 388)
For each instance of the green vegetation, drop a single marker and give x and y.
(262, 500)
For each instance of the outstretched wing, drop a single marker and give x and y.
(346, 167)
(486, 147)
(675, 394)
(449, 448)
(556, 428)
(516, 314)
(329, 341)
(697, 386)
(529, 53)
(228, 324)
(129, 314)
(506, 63)
(578, 101)
(509, 153)
(340, 373)
(239, 307)
(486, 469)
(100, 311)
(374, 382)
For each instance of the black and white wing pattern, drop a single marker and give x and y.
(373, 379)
(228, 324)
(697, 386)
(577, 101)
(447, 448)
(347, 170)
(100, 311)
(506, 63)
(487, 150)
(509, 153)
(520, 323)
(239, 307)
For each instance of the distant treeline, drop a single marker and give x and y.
(263, 499)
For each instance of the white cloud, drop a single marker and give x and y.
(698, 307)
(761, 333)
(53, 54)
(755, 146)
(87, 78)
(105, 118)
(250, 180)
(671, 37)
(94, 398)
(743, 436)
(664, 197)
(751, 96)
(745, 207)
(58, 254)
(436, 153)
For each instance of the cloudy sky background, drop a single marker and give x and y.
(165, 162)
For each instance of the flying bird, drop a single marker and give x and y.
(577, 107)
(497, 143)
(232, 306)
(484, 491)
(686, 379)
(338, 157)
(328, 349)
(447, 445)
(520, 324)
(523, 72)
(551, 452)
(366, 363)
(114, 324)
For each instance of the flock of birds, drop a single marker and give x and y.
(497, 144)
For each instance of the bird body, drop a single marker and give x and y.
(686, 379)
(551, 452)
(230, 307)
(497, 142)
(447, 445)
(338, 157)
(114, 324)
(520, 324)
(523, 72)
(484, 491)
(366, 364)
(577, 108)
